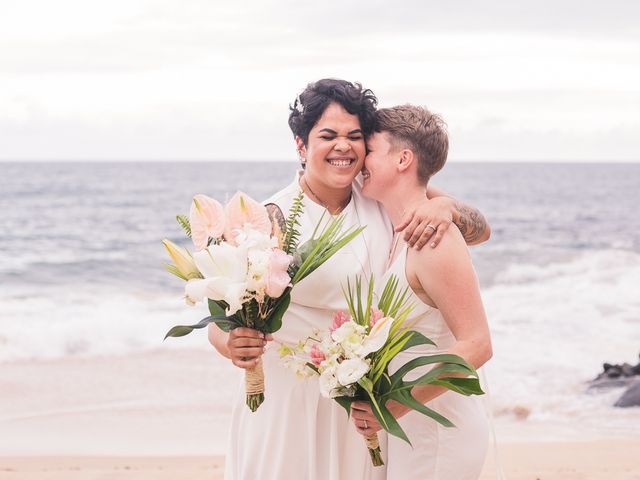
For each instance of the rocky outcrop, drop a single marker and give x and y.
(624, 375)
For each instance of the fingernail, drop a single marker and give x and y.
(433, 245)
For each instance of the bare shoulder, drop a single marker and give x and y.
(451, 249)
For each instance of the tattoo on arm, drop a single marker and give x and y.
(471, 222)
(277, 218)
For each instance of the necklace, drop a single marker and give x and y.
(315, 195)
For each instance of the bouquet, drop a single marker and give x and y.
(352, 359)
(245, 266)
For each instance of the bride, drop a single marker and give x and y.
(296, 433)
(409, 146)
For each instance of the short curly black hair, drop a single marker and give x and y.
(314, 100)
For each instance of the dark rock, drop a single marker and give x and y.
(630, 398)
(613, 376)
(627, 370)
(605, 383)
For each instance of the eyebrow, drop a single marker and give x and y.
(328, 130)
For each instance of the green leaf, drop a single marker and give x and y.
(183, 220)
(217, 307)
(171, 268)
(388, 421)
(275, 320)
(345, 402)
(405, 398)
(397, 377)
(464, 386)
(416, 339)
(182, 330)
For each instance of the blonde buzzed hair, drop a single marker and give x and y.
(416, 128)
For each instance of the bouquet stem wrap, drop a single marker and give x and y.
(374, 449)
(254, 386)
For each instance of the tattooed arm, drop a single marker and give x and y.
(469, 220)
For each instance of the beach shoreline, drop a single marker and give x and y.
(602, 460)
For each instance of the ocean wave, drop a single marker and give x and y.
(57, 322)
(554, 326)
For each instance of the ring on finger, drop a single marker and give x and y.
(432, 227)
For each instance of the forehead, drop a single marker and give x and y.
(379, 141)
(336, 118)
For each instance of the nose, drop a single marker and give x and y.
(342, 145)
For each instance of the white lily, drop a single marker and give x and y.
(225, 270)
(377, 336)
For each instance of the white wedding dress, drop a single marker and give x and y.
(438, 453)
(296, 434)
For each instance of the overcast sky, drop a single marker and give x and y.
(204, 79)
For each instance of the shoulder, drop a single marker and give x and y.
(451, 252)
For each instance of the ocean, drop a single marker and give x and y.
(81, 271)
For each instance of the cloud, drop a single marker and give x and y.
(159, 79)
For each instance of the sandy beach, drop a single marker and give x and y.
(614, 460)
(164, 415)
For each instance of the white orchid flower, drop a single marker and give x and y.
(351, 370)
(225, 270)
(377, 336)
(350, 336)
(328, 384)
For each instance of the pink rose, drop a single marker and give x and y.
(317, 357)
(277, 277)
(375, 316)
(339, 318)
(207, 220)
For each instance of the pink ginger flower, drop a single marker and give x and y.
(277, 276)
(317, 356)
(339, 318)
(375, 316)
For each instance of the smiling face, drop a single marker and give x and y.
(334, 152)
(380, 166)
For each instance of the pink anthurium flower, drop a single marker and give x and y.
(242, 209)
(207, 219)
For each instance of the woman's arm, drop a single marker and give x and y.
(468, 219)
(449, 283)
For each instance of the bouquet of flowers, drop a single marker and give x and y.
(352, 359)
(245, 266)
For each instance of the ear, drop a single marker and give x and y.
(406, 160)
(301, 148)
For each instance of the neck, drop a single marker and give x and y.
(333, 199)
(401, 200)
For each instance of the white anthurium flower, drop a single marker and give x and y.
(351, 370)
(377, 336)
(328, 383)
(225, 270)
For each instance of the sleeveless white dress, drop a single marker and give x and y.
(438, 453)
(296, 433)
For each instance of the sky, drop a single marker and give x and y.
(210, 80)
